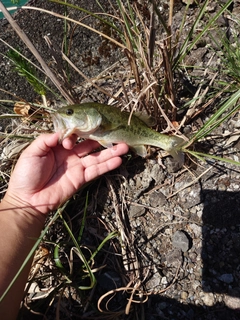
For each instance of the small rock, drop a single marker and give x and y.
(172, 165)
(164, 280)
(153, 282)
(208, 299)
(184, 295)
(196, 284)
(180, 241)
(197, 230)
(157, 173)
(232, 302)
(136, 211)
(157, 199)
(226, 277)
(192, 256)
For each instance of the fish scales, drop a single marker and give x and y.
(108, 125)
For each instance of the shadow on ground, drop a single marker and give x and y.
(221, 262)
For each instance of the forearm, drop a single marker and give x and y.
(19, 229)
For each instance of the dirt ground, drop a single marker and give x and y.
(183, 225)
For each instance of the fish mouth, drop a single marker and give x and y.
(82, 127)
(60, 127)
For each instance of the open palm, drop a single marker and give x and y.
(47, 174)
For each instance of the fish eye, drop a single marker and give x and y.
(69, 112)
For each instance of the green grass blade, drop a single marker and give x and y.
(214, 121)
(126, 23)
(110, 236)
(83, 219)
(58, 262)
(186, 48)
(201, 156)
(86, 264)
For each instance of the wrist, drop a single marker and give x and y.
(18, 206)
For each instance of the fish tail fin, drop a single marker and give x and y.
(177, 155)
(175, 150)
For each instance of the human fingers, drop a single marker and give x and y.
(96, 170)
(69, 142)
(104, 155)
(85, 147)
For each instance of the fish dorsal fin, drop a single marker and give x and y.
(148, 120)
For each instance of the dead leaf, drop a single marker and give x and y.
(22, 108)
(232, 139)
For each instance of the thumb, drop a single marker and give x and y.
(42, 144)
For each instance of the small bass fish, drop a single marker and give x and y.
(107, 125)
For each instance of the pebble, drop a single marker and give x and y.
(180, 241)
(157, 199)
(226, 277)
(136, 211)
(184, 295)
(232, 302)
(197, 230)
(164, 280)
(208, 299)
(196, 284)
(157, 173)
(192, 256)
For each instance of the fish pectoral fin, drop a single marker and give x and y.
(140, 149)
(105, 144)
(148, 120)
(108, 126)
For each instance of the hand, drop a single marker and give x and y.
(47, 174)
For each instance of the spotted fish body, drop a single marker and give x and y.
(107, 125)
